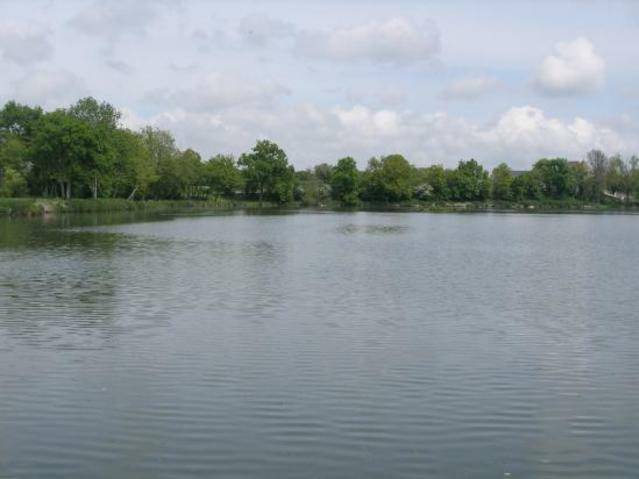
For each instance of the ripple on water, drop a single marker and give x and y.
(335, 345)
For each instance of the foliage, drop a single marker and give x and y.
(526, 187)
(222, 176)
(502, 179)
(469, 182)
(63, 148)
(556, 178)
(83, 151)
(388, 179)
(267, 172)
(345, 182)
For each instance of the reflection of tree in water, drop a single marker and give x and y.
(372, 229)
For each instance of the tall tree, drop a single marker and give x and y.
(19, 120)
(103, 119)
(222, 175)
(345, 182)
(133, 170)
(267, 172)
(557, 180)
(390, 178)
(598, 166)
(469, 182)
(64, 148)
(502, 178)
(618, 177)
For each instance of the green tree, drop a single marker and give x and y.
(191, 173)
(17, 124)
(634, 176)
(469, 182)
(103, 119)
(96, 114)
(583, 181)
(63, 150)
(433, 183)
(323, 173)
(502, 178)
(19, 120)
(14, 165)
(163, 155)
(599, 167)
(345, 182)
(133, 169)
(267, 172)
(556, 176)
(618, 177)
(526, 186)
(222, 175)
(390, 178)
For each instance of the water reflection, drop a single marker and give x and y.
(372, 229)
(342, 345)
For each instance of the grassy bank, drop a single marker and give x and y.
(30, 207)
(559, 206)
(33, 207)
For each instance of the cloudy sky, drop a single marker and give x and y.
(437, 81)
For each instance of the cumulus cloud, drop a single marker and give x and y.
(217, 91)
(50, 88)
(24, 45)
(526, 131)
(397, 40)
(312, 134)
(470, 88)
(574, 68)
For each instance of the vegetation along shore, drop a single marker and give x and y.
(81, 159)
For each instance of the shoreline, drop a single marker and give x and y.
(42, 207)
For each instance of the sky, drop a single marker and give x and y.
(437, 81)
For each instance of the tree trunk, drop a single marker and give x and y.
(132, 193)
(95, 187)
(68, 190)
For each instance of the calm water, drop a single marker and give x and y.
(363, 345)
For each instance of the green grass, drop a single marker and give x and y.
(32, 207)
(42, 206)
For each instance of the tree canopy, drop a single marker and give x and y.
(84, 151)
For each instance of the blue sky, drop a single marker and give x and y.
(436, 81)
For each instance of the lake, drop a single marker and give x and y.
(328, 345)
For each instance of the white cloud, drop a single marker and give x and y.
(470, 88)
(527, 132)
(397, 40)
(574, 68)
(368, 123)
(50, 88)
(312, 134)
(24, 45)
(217, 91)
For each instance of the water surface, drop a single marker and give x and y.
(346, 345)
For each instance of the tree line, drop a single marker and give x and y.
(83, 151)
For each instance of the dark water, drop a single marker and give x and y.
(363, 345)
